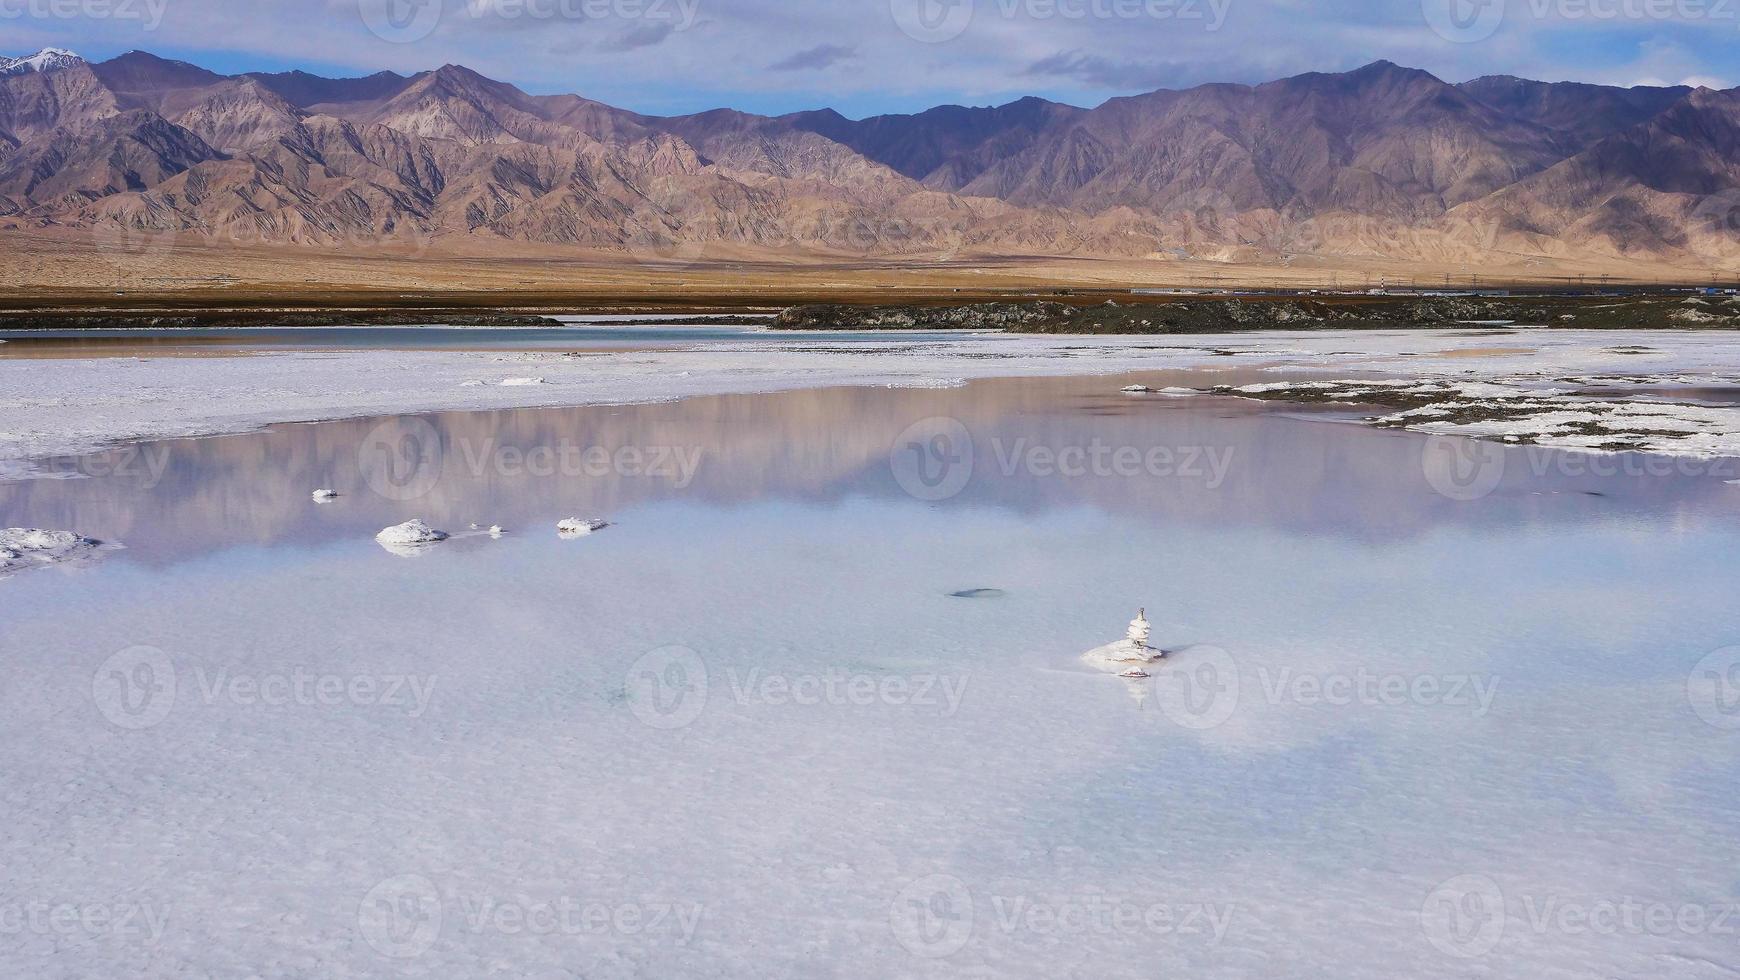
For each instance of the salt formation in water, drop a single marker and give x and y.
(1138, 390)
(411, 532)
(410, 539)
(325, 496)
(575, 527)
(1129, 655)
(23, 547)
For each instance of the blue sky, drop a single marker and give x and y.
(870, 56)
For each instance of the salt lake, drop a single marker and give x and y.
(813, 704)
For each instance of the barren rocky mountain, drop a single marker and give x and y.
(947, 147)
(1668, 186)
(1581, 113)
(1383, 160)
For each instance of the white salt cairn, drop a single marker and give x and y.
(1140, 631)
(325, 496)
(1137, 642)
(410, 539)
(575, 527)
(1127, 656)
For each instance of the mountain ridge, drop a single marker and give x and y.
(1383, 159)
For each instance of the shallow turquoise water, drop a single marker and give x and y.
(603, 335)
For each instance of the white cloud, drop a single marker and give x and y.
(664, 55)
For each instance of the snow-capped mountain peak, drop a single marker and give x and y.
(48, 59)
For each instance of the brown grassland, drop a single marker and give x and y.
(47, 271)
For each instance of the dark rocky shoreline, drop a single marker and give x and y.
(1194, 316)
(1135, 316)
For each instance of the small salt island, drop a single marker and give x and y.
(27, 547)
(577, 527)
(1128, 656)
(410, 539)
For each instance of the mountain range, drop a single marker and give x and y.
(1383, 160)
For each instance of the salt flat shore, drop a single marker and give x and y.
(77, 405)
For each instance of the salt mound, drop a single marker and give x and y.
(325, 496)
(1138, 390)
(522, 382)
(411, 532)
(575, 527)
(23, 547)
